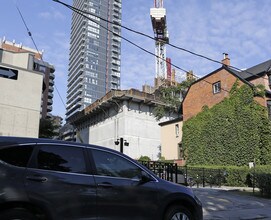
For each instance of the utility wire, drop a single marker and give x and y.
(82, 13)
(136, 45)
(28, 31)
(30, 35)
(153, 38)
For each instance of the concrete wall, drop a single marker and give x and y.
(133, 122)
(20, 99)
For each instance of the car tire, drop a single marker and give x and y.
(178, 212)
(17, 214)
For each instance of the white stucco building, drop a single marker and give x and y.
(21, 90)
(126, 114)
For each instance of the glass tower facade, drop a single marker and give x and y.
(94, 63)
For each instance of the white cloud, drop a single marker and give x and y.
(52, 14)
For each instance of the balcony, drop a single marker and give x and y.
(52, 76)
(51, 82)
(118, 5)
(115, 38)
(49, 108)
(115, 74)
(50, 95)
(115, 56)
(116, 68)
(116, 21)
(50, 101)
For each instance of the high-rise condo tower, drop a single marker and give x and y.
(94, 63)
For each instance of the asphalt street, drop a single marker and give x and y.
(227, 203)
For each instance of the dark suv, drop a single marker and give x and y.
(48, 179)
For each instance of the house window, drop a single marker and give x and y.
(177, 130)
(217, 87)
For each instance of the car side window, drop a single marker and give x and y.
(16, 155)
(61, 158)
(110, 164)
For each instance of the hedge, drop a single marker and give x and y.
(234, 176)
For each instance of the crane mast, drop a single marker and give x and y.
(159, 24)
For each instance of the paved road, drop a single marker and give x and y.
(227, 204)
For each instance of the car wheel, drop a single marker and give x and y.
(178, 213)
(17, 214)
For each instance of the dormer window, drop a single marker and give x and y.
(217, 87)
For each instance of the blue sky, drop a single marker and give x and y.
(209, 27)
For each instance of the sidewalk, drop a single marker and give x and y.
(227, 203)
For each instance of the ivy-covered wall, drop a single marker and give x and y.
(234, 132)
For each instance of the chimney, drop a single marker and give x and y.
(226, 59)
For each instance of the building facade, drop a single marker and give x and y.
(216, 86)
(171, 138)
(36, 64)
(126, 114)
(94, 63)
(21, 90)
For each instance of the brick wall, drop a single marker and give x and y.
(201, 93)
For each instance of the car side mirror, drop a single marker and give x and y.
(145, 177)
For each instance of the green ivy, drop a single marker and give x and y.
(234, 132)
(171, 96)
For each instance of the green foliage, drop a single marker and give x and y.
(241, 176)
(47, 128)
(144, 158)
(159, 112)
(236, 176)
(233, 132)
(259, 90)
(263, 182)
(171, 96)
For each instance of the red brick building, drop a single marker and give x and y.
(215, 86)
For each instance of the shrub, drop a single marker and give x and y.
(263, 182)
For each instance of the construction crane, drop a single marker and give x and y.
(159, 24)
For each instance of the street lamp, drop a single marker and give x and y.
(121, 141)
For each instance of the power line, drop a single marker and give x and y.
(30, 35)
(28, 31)
(153, 38)
(136, 45)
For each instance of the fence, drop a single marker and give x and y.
(186, 175)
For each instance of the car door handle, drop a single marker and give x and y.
(37, 178)
(105, 185)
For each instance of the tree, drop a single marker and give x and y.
(47, 128)
(172, 97)
(144, 158)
